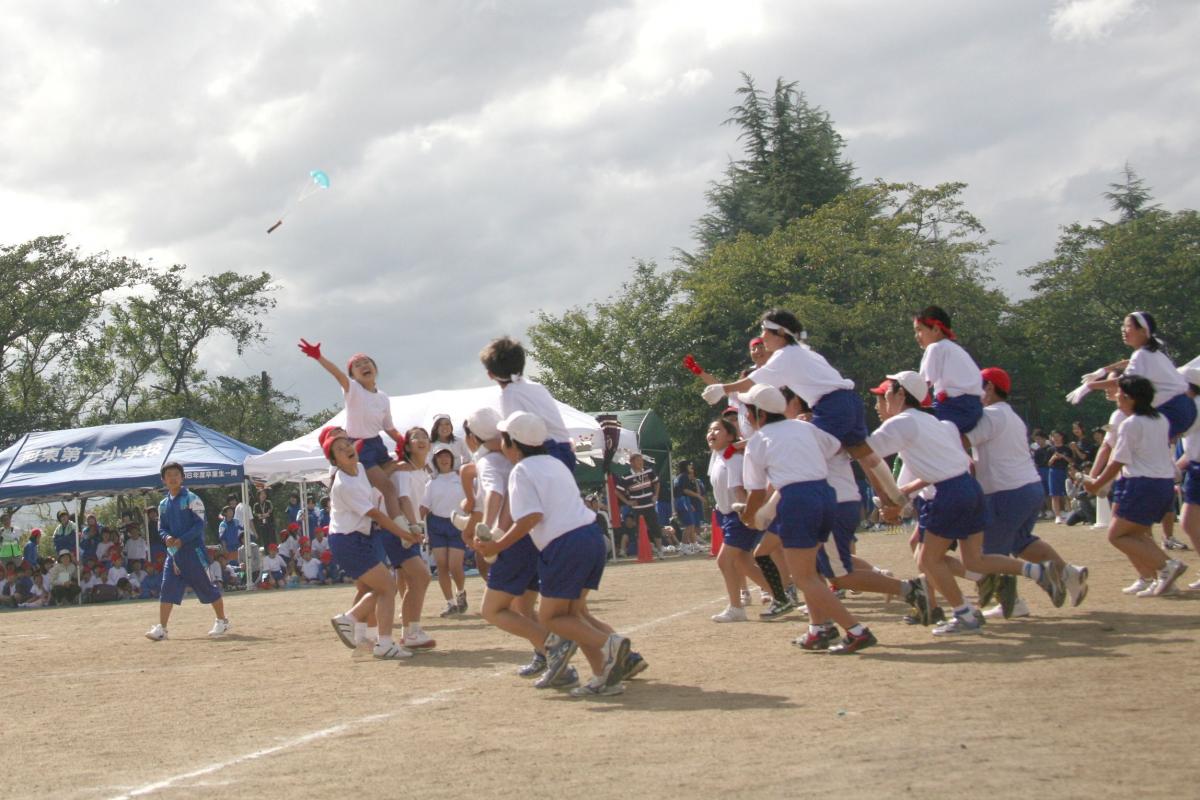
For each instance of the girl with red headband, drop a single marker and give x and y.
(949, 369)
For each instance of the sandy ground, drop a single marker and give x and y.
(1088, 702)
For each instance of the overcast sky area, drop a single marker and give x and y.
(490, 159)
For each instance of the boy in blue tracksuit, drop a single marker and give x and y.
(181, 528)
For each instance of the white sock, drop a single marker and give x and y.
(373, 634)
(1031, 570)
(971, 575)
(857, 630)
(360, 632)
(815, 629)
(385, 641)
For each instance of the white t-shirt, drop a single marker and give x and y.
(273, 563)
(351, 497)
(136, 578)
(531, 396)
(411, 484)
(1114, 424)
(458, 448)
(1143, 446)
(1002, 458)
(310, 569)
(102, 550)
(239, 513)
(950, 369)
(443, 494)
(115, 574)
(136, 549)
(786, 452)
(289, 547)
(932, 450)
(804, 371)
(1157, 368)
(492, 471)
(319, 546)
(1191, 439)
(367, 413)
(743, 419)
(543, 484)
(89, 582)
(725, 475)
(841, 473)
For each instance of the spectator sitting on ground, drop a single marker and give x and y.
(31, 591)
(124, 589)
(116, 569)
(105, 546)
(8, 586)
(87, 580)
(671, 537)
(63, 587)
(135, 544)
(30, 554)
(150, 583)
(274, 568)
(255, 563)
(320, 541)
(137, 573)
(289, 546)
(229, 531)
(311, 569)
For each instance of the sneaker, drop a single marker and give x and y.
(1052, 582)
(1194, 585)
(776, 610)
(745, 597)
(935, 617)
(569, 679)
(852, 644)
(1075, 579)
(596, 687)
(971, 622)
(220, 628)
(821, 640)
(1141, 584)
(1168, 575)
(450, 610)
(1019, 609)
(392, 651)
(419, 640)
(1149, 591)
(1060, 521)
(534, 668)
(343, 626)
(918, 597)
(558, 654)
(1171, 543)
(792, 594)
(731, 614)
(1006, 594)
(616, 653)
(460, 600)
(986, 590)
(635, 665)
(157, 633)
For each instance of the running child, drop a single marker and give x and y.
(1189, 465)
(949, 369)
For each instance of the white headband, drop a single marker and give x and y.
(774, 326)
(1144, 324)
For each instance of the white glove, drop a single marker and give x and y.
(1098, 375)
(1076, 397)
(737, 508)
(485, 534)
(417, 528)
(459, 519)
(713, 393)
(766, 515)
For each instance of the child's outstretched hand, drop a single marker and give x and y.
(690, 364)
(310, 350)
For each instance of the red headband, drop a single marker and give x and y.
(930, 322)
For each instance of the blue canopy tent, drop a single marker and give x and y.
(113, 459)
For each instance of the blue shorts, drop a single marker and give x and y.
(1044, 474)
(1180, 412)
(957, 511)
(354, 553)
(442, 533)
(193, 572)
(805, 514)
(663, 509)
(736, 534)
(964, 411)
(1056, 482)
(562, 451)
(1013, 513)
(842, 415)
(390, 550)
(572, 562)
(687, 514)
(1145, 501)
(834, 559)
(373, 453)
(516, 569)
(1191, 483)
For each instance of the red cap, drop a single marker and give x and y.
(757, 340)
(998, 378)
(272, 546)
(884, 387)
(35, 532)
(324, 433)
(326, 557)
(303, 541)
(293, 527)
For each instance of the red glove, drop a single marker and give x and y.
(729, 451)
(310, 350)
(690, 363)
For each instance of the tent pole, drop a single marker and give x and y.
(78, 517)
(304, 508)
(246, 530)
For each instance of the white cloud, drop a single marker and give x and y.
(1091, 20)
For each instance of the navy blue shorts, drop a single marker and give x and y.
(834, 559)
(736, 534)
(572, 562)
(842, 415)
(442, 533)
(390, 550)
(663, 509)
(964, 411)
(1180, 412)
(957, 511)
(354, 553)
(1145, 501)
(562, 451)
(805, 514)
(516, 569)
(372, 453)
(1056, 482)
(1044, 474)
(687, 514)
(1191, 483)
(193, 572)
(1013, 513)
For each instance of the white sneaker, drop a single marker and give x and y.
(1149, 591)
(1060, 521)
(731, 614)
(220, 628)
(1020, 609)
(343, 626)
(419, 640)
(157, 633)
(391, 651)
(1137, 586)
(1075, 579)
(1194, 585)
(1168, 575)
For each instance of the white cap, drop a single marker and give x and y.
(524, 427)
(442, 447)
(913, 383)
(768, 398)
(483, 422)
(1191, 374)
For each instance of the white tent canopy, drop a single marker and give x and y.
(301, 459)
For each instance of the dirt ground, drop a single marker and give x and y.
(1088, 702)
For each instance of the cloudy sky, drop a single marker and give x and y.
(490, 159)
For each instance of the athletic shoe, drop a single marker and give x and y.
(1171, 543)
(746, 598)
(1051, 581)
(821, 640)
(420, 640)
(1140, 585)
(731, 614)
(220, 628)
(596, 687)
(157, 633)
(392, 651)
(1060, 521)
(792, 594)
(1194, 585)
(450, 610)
(918, 597)
(1019, 609)
(635, 665)
(971, 622)
(460, 600)
(852, 644)
(1075, 580)
(343, 626)
(616, 652)
(936, 616)
(569, 679)
(1006, 594)
(1149, 591)
(986, 589)
(558, 654)
(534, 668)
(776, 610)
(1168, 575)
